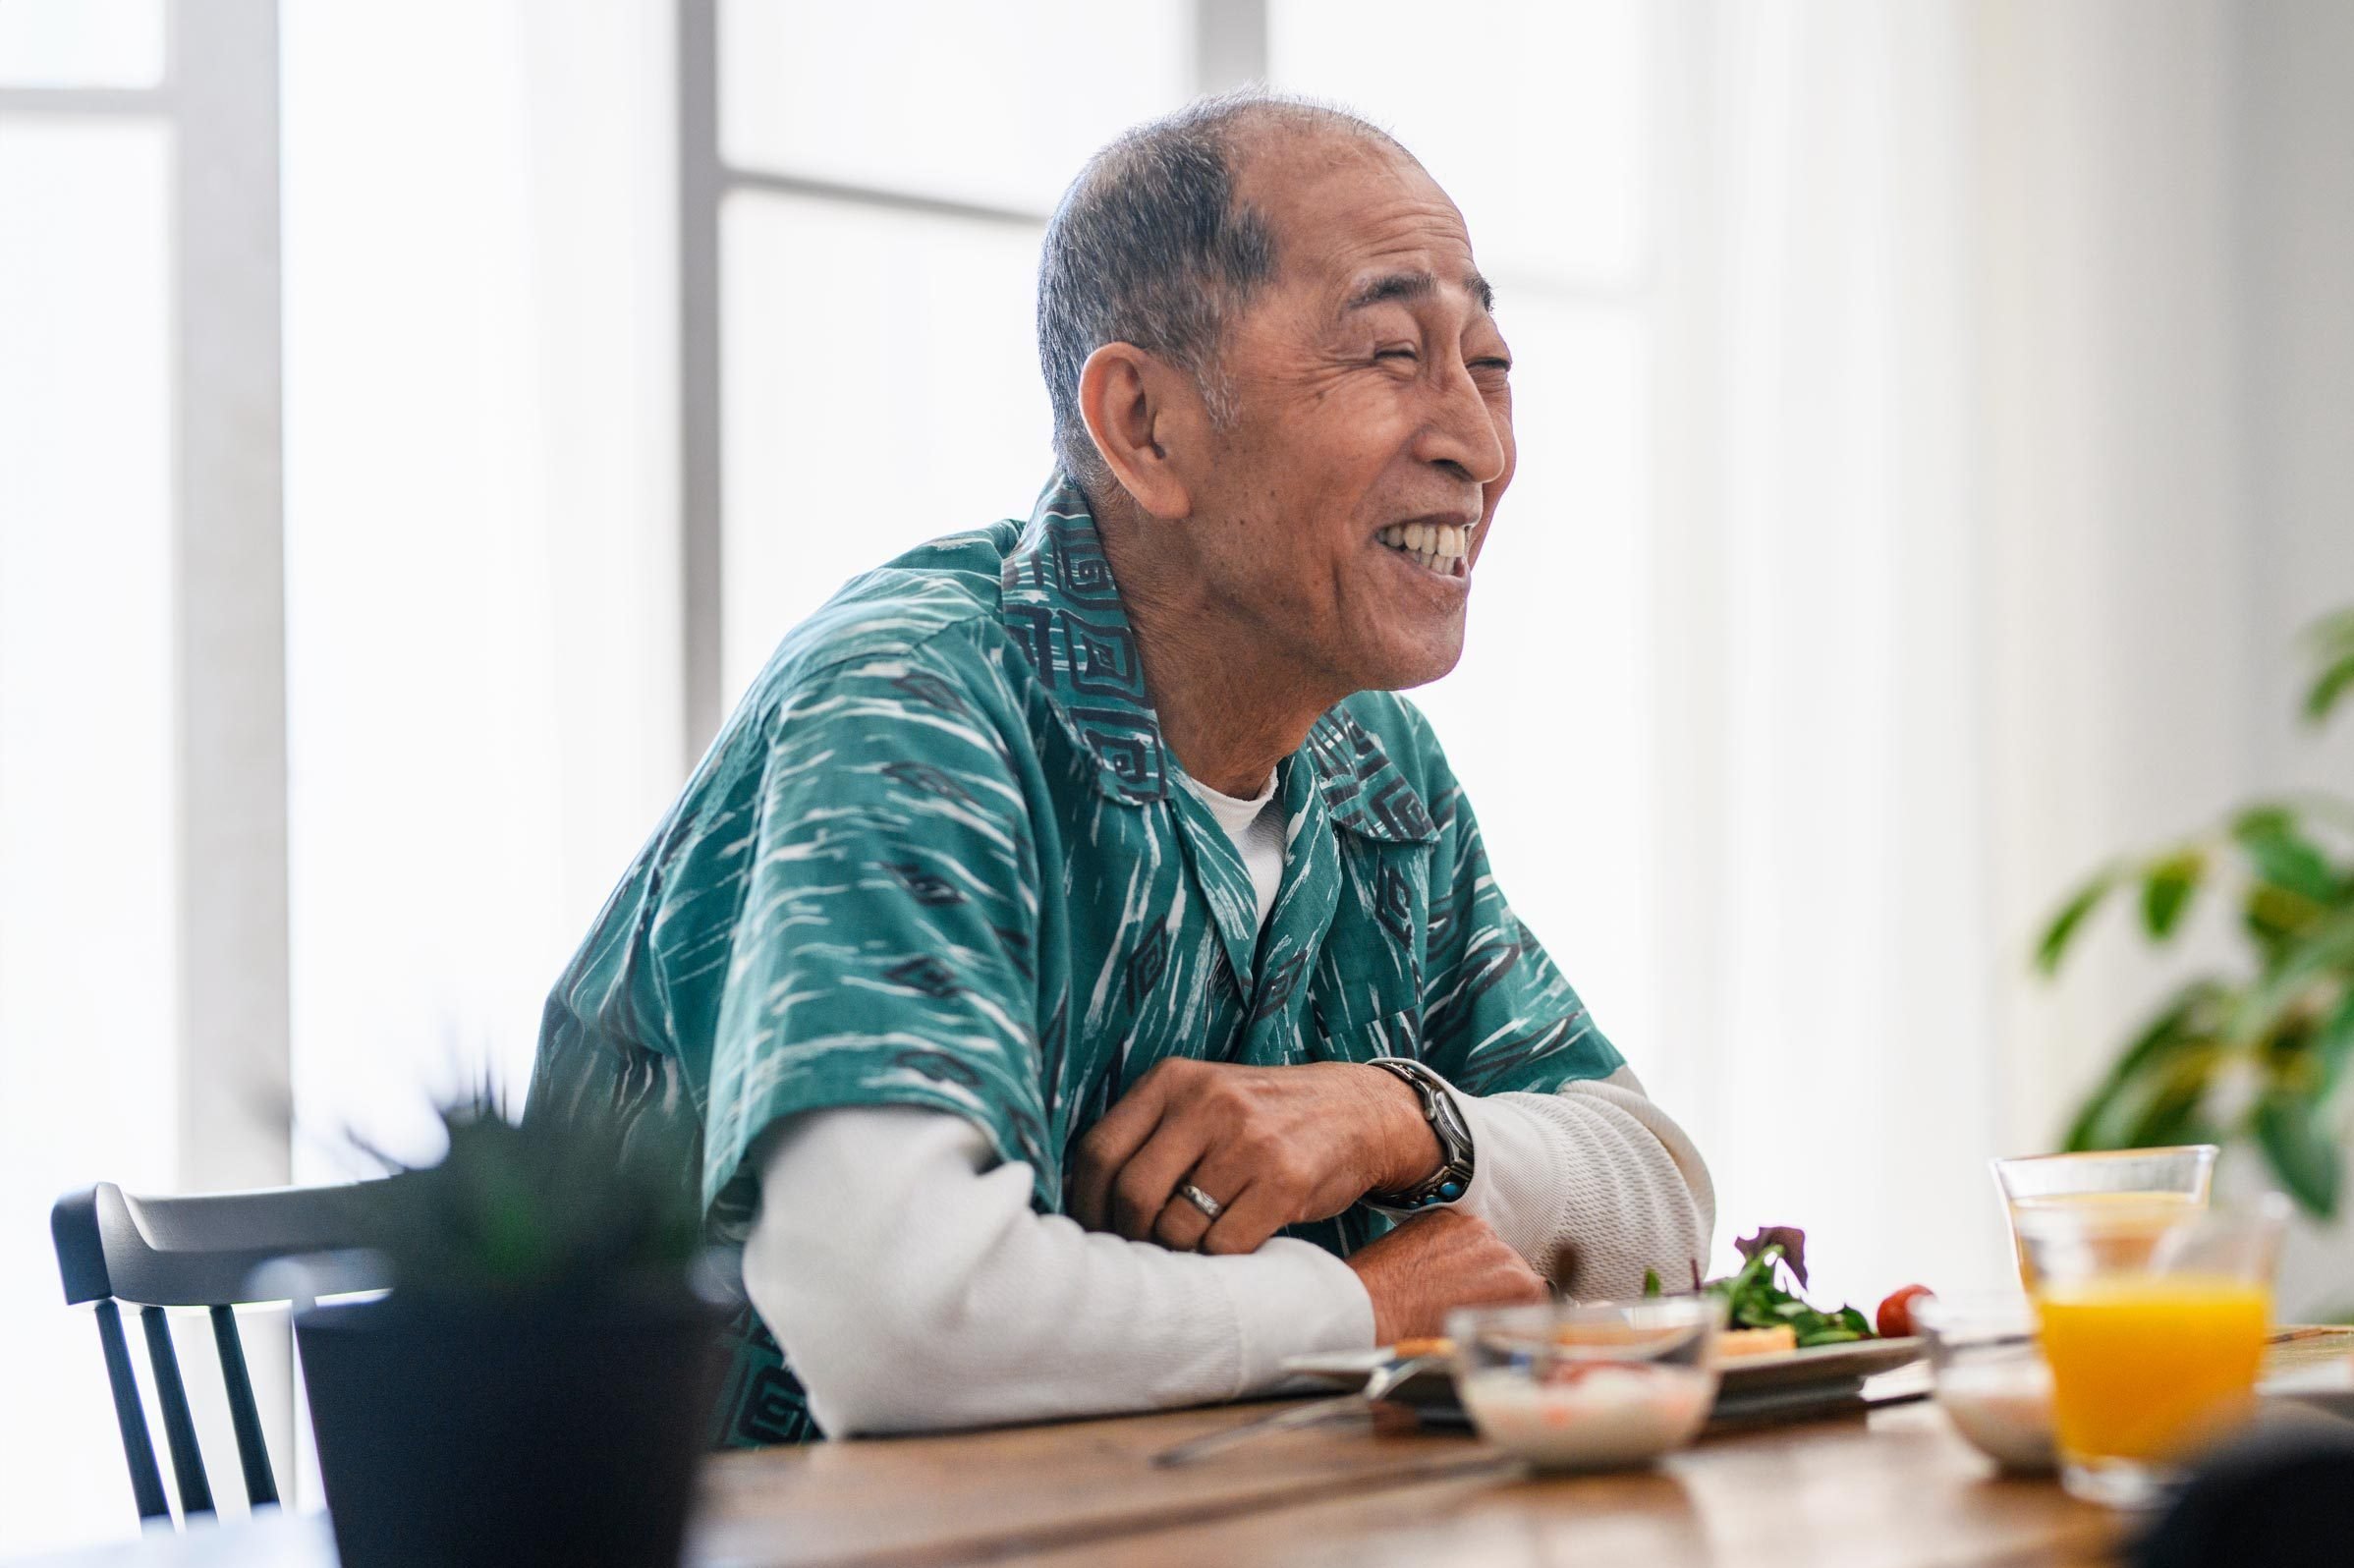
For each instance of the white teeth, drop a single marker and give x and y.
(1438, 546)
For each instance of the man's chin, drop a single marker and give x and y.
(1403, 669)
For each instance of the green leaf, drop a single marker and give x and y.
(2285, 858)
(2334, 630)
(2166, 889)
(2187, 1021)
(2303, 967)
(2296, 1144)
(2175, 1111)
(2331, 639)
(2271, 816)
(2336, 679)
(2333, 1045)
(2062, 928)
(1651, 1289)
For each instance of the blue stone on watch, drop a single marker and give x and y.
(1451, 1191)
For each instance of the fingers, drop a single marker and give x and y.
(1429, 1265)
(1253, 1214)
(1254, 1201)
(1180, 1226)
(1149, 1181)
(1111, 1143)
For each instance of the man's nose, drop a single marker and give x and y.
(1462, 430)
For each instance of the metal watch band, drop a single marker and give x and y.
(1453, 1177)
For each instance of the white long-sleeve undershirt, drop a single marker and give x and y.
(913, 1288)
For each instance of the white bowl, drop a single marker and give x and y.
(1991, 1378)
(1594, 1386)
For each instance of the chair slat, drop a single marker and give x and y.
(217, 1251)
(179, 1426)
(138, 1450)
(252, 1452)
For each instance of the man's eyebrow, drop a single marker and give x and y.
(1398, 286)
(1406, 287)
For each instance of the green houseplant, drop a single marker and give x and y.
(2260, 1053)
(537, 1385)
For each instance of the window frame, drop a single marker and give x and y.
(1229, 50)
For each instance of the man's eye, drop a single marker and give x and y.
(1493, 363)
(1407, 355)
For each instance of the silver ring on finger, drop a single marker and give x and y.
(1201, 1199)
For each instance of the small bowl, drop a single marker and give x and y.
(1596, 1386)
(1991, 1378)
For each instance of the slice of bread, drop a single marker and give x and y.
(1735, 1343)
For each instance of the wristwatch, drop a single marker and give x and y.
(1453, 1177)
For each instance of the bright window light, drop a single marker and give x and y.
(1541, 139)
(88, 848)
(977, 103)
(81, 44)
(883, 388)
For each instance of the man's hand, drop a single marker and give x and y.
(1272, 1146)
(1433, 1263)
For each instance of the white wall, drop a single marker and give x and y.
(2167, 266)
(2294, 233)
(2119, 555)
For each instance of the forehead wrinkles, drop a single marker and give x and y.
(1421, 232)
(1336, 204)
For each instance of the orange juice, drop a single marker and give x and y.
(2123, 1232)
(2144, 1366)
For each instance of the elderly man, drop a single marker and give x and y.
(1084, 978)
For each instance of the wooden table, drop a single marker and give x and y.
(1896, 1487)
(1890, 1488)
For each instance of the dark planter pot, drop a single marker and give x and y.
(544, 1430)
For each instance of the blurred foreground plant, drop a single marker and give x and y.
(2261, 1054)
(547, 1203)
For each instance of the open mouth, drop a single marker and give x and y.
(1440, 548)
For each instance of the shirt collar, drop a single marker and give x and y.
(1063, 610)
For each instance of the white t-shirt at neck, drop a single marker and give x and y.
(1257, 828)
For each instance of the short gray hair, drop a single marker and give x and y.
(1149, 247)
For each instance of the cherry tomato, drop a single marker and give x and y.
(1895, 1320)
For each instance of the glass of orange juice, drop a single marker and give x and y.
(2154, 1320)
(2133, 1178)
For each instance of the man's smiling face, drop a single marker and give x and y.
(1370, 431)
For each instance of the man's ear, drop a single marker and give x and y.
(1147, 419)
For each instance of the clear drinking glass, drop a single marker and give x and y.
(1591, 1386)
(2154, 1319)
(2135, 1177)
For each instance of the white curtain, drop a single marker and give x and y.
(1825, 951)
(1958, 590)
(481, 542)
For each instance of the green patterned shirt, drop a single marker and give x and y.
(936, 857)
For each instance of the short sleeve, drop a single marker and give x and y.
(881, 955)
(1497, 1016)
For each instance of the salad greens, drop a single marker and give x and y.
(1757, 1298)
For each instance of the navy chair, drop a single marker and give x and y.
(155, 1253)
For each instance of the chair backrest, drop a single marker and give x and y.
(204, 1252)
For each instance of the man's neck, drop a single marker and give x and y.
(1227, 709)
